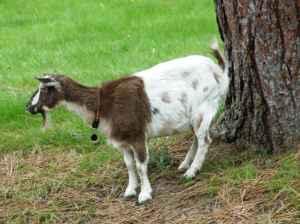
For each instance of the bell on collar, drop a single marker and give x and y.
(94, 138)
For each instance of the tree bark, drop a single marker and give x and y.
(262, 45)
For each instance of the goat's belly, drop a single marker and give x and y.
(167, 123)
(171, 106)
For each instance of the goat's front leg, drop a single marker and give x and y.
(141, 156)
(132, 177)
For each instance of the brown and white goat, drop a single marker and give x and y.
(169, 98)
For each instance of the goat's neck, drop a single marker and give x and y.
(80, 110)
(82, 100)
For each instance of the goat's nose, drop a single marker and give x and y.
(31, 109)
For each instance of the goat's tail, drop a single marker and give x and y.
(223, 62)
(218, 54)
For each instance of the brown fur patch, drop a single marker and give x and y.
(195, 84)
(74, 92)
(68, 90)
(140, 149)
(125, 103)
(165, 97)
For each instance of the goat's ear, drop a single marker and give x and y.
(49, 81)
(45, 79)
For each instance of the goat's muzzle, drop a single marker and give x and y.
(32, 109)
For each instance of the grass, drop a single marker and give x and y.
(59, 176)
(92, 41)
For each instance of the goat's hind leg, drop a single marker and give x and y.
(132, 177)
(185, 164)
(201, 130)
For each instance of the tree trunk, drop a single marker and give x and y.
(262, 45)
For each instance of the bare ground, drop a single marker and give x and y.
(50, 187)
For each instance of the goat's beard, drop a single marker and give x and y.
(46, 120)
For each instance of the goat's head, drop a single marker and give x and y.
(48, 95)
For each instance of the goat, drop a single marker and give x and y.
(171, 97)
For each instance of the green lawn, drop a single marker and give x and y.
(91, 41)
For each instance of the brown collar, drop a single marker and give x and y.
(96, 121)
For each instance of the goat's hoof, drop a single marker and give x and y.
(183, 167)
(189, 174)
(129, 193)
(144, 197)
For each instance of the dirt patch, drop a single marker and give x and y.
(49, 187)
